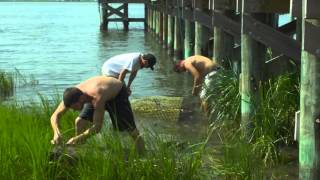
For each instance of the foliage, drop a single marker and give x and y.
(7, 86)
(25, 151)
(273, 124)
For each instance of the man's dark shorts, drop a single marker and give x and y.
(119, 110)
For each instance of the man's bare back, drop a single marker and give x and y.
(101, 87)
(203, 64)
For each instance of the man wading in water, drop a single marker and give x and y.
(93, 97)
(118, 66)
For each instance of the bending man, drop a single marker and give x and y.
(118, 66)
(93, 97)
(199, 67)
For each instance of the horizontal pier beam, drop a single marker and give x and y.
(124, 1)
(129, 19)
(312, 38)
(272, 38)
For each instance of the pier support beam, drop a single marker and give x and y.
(177, 38)
(170, 34)
(188, 39)
(160, 26)
(253, 57)
(146, 17)
(223, 45)
(309, 136)
(165, 30)
(198, 38)
(201, 42)
(157, 23)
(104, 22)
(125, 18)
(154, 22)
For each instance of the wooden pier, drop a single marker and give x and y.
(121, 12)
(240, 31)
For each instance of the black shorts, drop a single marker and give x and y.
(119, 110)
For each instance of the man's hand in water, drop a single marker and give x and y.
(57, 139)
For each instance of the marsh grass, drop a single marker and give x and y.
(7, 86)
(273, 124)
(9, 81)
(25, 150)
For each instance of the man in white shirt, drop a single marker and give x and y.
(118, 66)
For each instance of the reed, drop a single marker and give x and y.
(7, 86)
(25, 150)
(273, 124)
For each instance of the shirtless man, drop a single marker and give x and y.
(199, 67)
(93, 97)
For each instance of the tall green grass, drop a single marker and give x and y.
(273, 124)
(9, 81)
(25, 150)
(7, 86)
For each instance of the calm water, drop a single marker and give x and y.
(60, 44)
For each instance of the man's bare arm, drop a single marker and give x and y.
(122, 74)
(55, 118)
(196, 76)
(133, 74)
(95, 128)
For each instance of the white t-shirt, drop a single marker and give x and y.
(114, 65)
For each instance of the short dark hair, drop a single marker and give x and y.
(152, 60)
(176, 66)
(71, 95)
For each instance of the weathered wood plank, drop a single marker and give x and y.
(203, 18)
(267, 6)
(313, 9)
(289, 28)
(271, 37)
(187, 3)
(227, 24)
(116, 11)
(129, 19)
(296, 8)
(200, 4)
(124, 1)
(312, 38)
(188, 14)
(223, 4)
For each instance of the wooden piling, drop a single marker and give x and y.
(150, 18)
(252, 73)
(157, 23)
(188, 39)
(170, 34)
(126, 16)
(165, 30)
(146, 17)
(177, 38)
(104, 22)
(154, 15)
(309, 136)
(223, 45)
(160, 26)
(198, 38)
